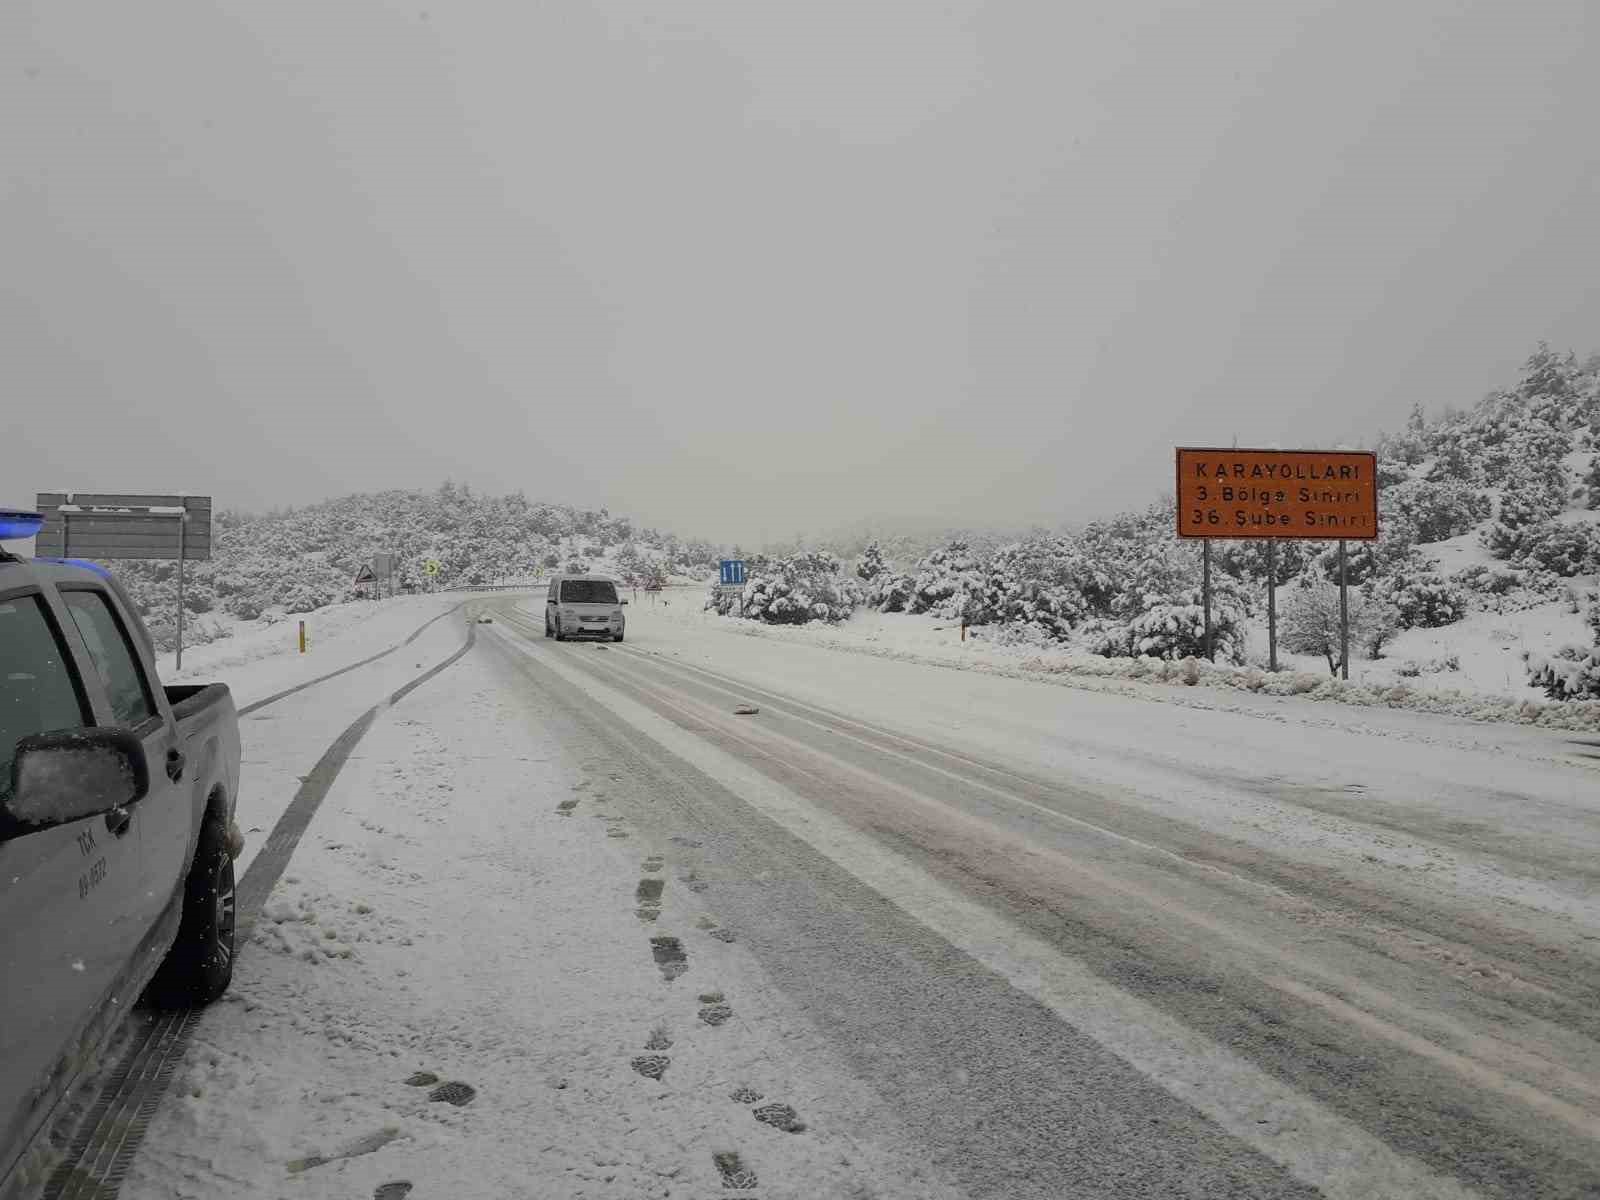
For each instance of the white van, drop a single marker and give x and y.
(583, 606)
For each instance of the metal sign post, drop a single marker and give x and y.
(1344, 615)
(105, 526)
(183, 525)
(1272, 605)
(1205, 593)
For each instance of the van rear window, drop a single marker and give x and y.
(588, 591)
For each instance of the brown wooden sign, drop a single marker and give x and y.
(1329, 494)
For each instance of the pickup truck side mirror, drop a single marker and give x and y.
(624, 602)
(72, 774)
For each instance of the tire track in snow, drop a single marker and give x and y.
(310, 683)
(102, 1149)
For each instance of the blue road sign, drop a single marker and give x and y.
(733, 572)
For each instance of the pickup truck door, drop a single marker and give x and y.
(165, 816)
(66, 891)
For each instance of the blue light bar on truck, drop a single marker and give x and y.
(16, 523)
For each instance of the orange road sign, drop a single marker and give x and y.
(1329, 494)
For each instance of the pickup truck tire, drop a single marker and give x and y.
(618, 638)
(560, 637)
(199, 966)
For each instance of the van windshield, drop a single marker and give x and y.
(588, 591)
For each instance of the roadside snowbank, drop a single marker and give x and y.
(937, 643)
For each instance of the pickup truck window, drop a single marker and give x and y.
(38, 693)
(113, 656)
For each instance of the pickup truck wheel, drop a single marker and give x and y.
(560, 637)
(199, 966)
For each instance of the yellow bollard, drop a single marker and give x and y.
(302, 637)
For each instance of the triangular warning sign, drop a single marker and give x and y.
(365, 575)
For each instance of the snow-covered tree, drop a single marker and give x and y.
(1247, 561)
(1438, 510)
(1591, 481)
(652, 572)
(1573, 672)
(1395, 544)
(1564, 550)
(630, 564)
(1309, 622)
(798, 588)
(944, 577)
(1420, 596)
(1032, 583)
(1525, 505)
(893, 593)
(871, 564)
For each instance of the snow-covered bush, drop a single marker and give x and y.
(799, 588)
(1032, 583)
(945, 578)
(1309, 622)
(1438, 510)
(1572, 672)
(1247, 560)
(1171, 629)
(1420, 596)
(1488, 581)
(1395, 545)
(1413, 668)
(893, 593)
(1564, 550)
(871, 564)
(163, 626)
(1525, 505)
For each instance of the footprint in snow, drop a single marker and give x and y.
(651, 1066)
(716, 1014)
(670, 957)
(454, 1092)
(780, 1116)
(733, 1171)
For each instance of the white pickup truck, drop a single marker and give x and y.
(117, 833)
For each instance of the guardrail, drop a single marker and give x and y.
(532, 585)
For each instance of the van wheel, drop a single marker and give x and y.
(547, 627)
(560, 637)
(618, 638)
(199, 966)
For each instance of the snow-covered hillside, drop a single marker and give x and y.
(300, 560)
(1483, 579)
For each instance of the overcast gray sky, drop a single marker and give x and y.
(749, 267)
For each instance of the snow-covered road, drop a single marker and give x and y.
(985, 937)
